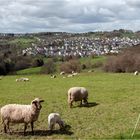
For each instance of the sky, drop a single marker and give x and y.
(26, 16)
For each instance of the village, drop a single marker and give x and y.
(79, 46)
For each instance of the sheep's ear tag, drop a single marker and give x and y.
(41, 101)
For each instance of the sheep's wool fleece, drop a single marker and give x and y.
(18, 113)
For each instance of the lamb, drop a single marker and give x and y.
(16, 113)
(77, 94)
(136, 73)
(54, 118)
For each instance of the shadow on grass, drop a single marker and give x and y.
(90, 104)
(65, 131)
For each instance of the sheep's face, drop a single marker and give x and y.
(62, 124)
(37, 103)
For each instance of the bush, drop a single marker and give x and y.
(127, 61)
(2, 69)
(72, 65)
(22, 62)
(38, 62)
(49, 67)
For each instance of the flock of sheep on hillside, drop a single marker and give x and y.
(28, 114)
(64, 74)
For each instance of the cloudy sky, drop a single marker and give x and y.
(21, 16)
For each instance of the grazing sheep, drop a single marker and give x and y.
(54, 118)
(70, 75)
(136, 73)
(53, 76)
(0, 78)
(62, 73)
(22, 79)
(90, 71)
(16, 113)
(77, 94)
(75, 73)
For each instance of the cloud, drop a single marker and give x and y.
(68, 15)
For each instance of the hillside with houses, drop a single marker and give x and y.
(21, 51)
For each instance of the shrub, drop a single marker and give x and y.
(37, 62)
(22, 62)
(49, 67)
(127, 61)
(2, 69)
(72, 65)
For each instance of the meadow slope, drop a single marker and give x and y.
(113, 110)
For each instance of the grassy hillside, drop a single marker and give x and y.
(23, 42)
(112, 113)
(29, 71)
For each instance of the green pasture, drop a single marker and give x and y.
(23, 42)
(114, 105)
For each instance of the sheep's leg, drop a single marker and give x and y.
(5, 122)
(81, 103)
(5, 130)
(9, 128)
(70, 104)
(51, 126)
(85, 101)
(32, 127)
(25, 127)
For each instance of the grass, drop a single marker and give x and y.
(114, 115)
(94, 60)
(29, 71)
(23, 42)
(37, 70)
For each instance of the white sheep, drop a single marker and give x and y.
(53, 119)
(22, 79)
(17, 113)
(70, 75)
(77, 94)
(136, 73)
(75, 73)
(91, 71)
(53, 76)
(62, 73)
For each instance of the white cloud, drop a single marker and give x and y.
(68, 15)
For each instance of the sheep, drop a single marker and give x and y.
(17, 113)
(22, 79)
(54, 118)
(70, 75)
(77, 94)
(25, 79)
(90, 71)
(136, 73)
(62, 73)
(75, 73)
(53, 76)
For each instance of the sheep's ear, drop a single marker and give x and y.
(41, 101)
(33, 102)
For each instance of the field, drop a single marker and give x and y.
(112, 112)
(23, 42)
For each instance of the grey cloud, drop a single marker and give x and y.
(68, 15)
